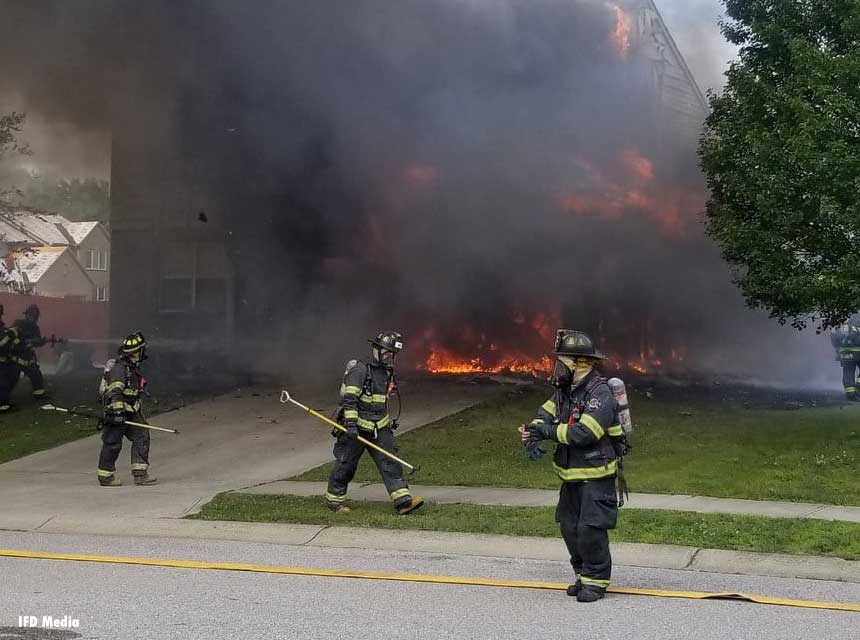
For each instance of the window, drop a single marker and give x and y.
(97, 260)
(194, 277)
(101, 294)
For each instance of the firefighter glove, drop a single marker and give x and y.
(534, 451)
(536, 432)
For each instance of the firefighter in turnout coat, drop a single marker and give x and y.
(365, 393)
(581, 418)
(9, 371)
(29, 339)
(122, 388)
(846, 341)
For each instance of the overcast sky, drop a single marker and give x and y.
(693, 24)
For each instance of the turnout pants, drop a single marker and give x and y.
(348, 452)
(112, 436)
(34, 373)
(9, 374)
(849, 378)
(585, 513)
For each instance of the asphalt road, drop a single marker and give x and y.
(122, 601)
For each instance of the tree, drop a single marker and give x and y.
(781, 154)
(10, 126)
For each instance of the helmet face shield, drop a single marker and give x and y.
(386, 346)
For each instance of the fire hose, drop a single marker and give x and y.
(84, 414)
(286, 397)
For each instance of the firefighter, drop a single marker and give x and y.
(30, 338)
(122, 388)
(9, 371)
(365, 393)
(581, 417)
(846, 341)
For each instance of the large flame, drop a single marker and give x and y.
(619, 37)
(441, 360)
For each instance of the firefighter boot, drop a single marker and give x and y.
(338, 507)
(413, 504)
(142, 478)
(589, 594)
(109, 481)
(574, 588)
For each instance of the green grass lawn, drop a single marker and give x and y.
(713, 531)
(722, 444)
(30, 429)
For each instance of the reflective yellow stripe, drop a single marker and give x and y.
(376, 398)
(561, 433)
(351, 390)
(549, 406)
(586, 473)
(603, 584)
(401, 492)
(371, 425)
(138, 466)
(119, 405)
(119, 384)
(104, 473)
(592, 424)
(334, 498)
(350, 414)
(850, 389)
(615, 430)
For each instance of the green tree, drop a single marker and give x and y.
(781, 153)
(10, 127)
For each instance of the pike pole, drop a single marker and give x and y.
(84, 414)
(286, 397)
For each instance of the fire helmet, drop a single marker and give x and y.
(385, 346)
(575, 344)
(32, 312)
(134, 343)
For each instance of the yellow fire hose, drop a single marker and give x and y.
(286, 397)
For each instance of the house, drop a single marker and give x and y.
(46, 254)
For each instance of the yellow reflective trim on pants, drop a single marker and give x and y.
(399, 493)
(139, 466)
(593, 425)
(331, 497)
(561, 433)
(38, 392)
(352, 390)
(586, 473)
(418, 578)
(603, 584)
(549, 406)
(615, 430)
(104, 473)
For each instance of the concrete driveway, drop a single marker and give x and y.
(237, 440)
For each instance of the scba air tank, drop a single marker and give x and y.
(619, 391)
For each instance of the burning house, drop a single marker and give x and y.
(288, 178)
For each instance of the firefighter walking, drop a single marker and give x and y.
(582, 418)
(846, 341)
(365, 394)
(122, 388)
(29, 339)
(9, 371)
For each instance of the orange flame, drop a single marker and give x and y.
(442, 360)
(620, 35)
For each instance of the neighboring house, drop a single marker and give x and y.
(46, 254)
(50, 271)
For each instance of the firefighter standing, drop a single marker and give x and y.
(30, 338)
(9, 371)
(846, 341)
(122, 388)
(364, 407)
(581, 418)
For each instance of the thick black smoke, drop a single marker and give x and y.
(441, 167)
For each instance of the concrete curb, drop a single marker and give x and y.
(437, 542)
(498, 496)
